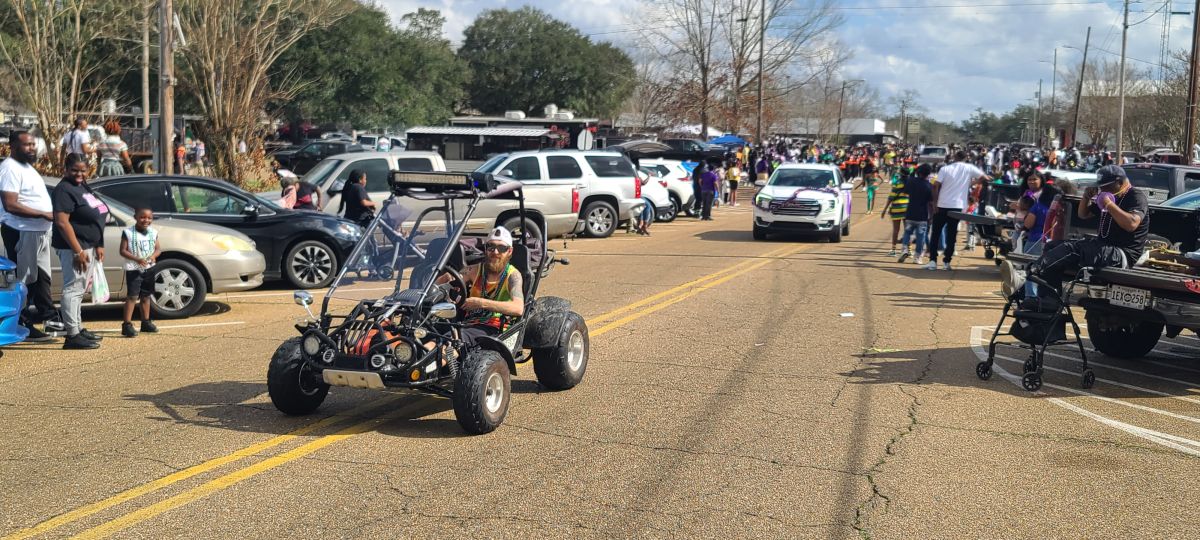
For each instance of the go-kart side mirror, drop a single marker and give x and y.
(444, 310)
(303, 298)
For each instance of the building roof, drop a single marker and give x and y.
(527, 120)
(484, 131)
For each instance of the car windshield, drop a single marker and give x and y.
(399, 251)
(933, 152)
(1149, 177)
(490, 165)
(1187, 201)
(317, 175)
(808, 178)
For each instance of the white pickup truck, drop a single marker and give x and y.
(553, 208)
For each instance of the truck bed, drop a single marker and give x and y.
(1142, 278)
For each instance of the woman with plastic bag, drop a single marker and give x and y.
(78, 236)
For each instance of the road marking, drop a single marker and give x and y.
(245, 473)
(155, 485)
(1190, 386)
(174, 326)
(1181, 444)
(678, 288)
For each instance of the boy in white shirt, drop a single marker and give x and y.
(139, 246)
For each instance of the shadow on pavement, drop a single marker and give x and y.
(746, 236)
(116, 313)
(959, 273)
(925, 301)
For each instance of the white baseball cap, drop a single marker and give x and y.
(500, 234)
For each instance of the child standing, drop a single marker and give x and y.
(139, 246)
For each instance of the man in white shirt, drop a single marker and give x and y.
(25, 228)
(951, 194)
(77, 141)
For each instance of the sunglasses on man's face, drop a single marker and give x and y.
(496, 249)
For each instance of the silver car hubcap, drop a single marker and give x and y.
(600, 220)
(575, 351)
(493, 393)
(173, 289)
(312, 265)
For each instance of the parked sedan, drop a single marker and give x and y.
(306, 157)
(197, 259)
(305, 248)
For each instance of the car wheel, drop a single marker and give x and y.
(601, 219)
(481, 393)
(846, 228)
(667, 213)
(310, 264)
(760, 233)
(836, 235)
(678, 204)
(1131, 340)
(532, 229)
(562, 367)
(295, 389)
(179, 289)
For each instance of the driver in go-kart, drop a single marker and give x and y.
(495, 292)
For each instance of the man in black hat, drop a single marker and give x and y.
(1121, 234)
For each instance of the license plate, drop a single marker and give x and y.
(1128, 297)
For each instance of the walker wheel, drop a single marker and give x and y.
(1031, 364)
(983, 370)
(989, 253)
(998, 262)
(1089, 379)
(1032, 382)
(384, 272)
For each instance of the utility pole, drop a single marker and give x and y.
(762, 51)
(1121, 90)
(1189, 136)
(1053, 91)
(146, 11)
(166, 85)
(1079, 90)
(1037, 118)
(837, 139)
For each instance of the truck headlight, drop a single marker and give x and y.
(763, 201)
(232, 243)
(832, 204)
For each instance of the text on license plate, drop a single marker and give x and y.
(1128, 297)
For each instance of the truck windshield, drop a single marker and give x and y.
(1149, 177)
(808, 178)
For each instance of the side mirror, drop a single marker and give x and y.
(507, 172)
(760, 183)
(302, 298)
(337, 186)
(444, 310)
(250, 210)
(847, 186)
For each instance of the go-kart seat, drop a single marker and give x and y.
(456, 261)
(520, 261)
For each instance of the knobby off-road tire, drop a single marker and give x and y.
(293, 388)
(482, 392)
(562, 367)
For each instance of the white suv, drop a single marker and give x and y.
(610, 191)
(803, 198)
(679, 182)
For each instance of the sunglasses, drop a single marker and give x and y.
(496, 249)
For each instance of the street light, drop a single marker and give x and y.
(841, 104)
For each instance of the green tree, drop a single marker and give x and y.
(363, 72)
(525, 59)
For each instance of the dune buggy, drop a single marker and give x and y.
(410, 338)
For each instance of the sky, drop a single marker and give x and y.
(959, 54)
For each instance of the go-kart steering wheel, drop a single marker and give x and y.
(456, 288)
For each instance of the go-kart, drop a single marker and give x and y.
(410, 338)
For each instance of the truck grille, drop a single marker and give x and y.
(796, 207)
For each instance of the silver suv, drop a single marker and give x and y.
(610, 191)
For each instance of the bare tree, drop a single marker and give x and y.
(907, 102)
(688, 39)
(651, 91)
(47, 57)
(226, 64)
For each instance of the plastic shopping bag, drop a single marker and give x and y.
(98, 284)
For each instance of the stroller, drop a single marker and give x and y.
(1039, 322)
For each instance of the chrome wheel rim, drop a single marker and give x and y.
(493, 393)
(575, 351)
(173, 289)
(312, 265)
(600, 220)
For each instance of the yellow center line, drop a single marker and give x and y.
(155, 485)
(239, 475)
(676, 289)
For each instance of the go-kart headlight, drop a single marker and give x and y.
(311, 345)
(349, 231)
(403, 353)
(232, 243)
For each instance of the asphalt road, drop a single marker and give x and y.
(782, 389)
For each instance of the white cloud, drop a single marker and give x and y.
(959, 58)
